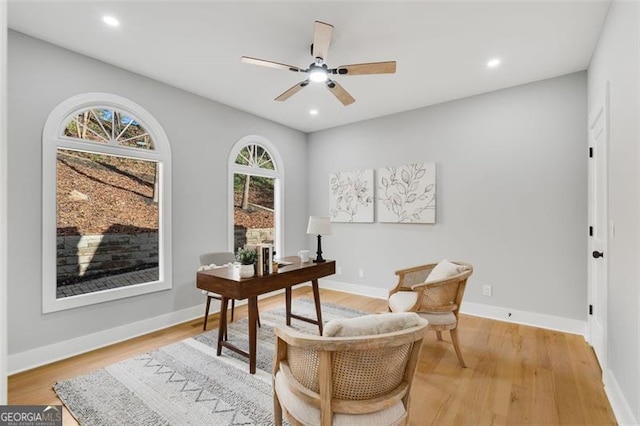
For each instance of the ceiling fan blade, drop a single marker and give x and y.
(339, 92)
(292, 91)
(388, 67)
(321, 39)
(270, 64)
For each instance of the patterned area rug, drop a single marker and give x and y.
(185, 383)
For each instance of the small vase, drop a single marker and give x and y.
(247, 271)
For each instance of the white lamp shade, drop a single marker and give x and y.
(319, 225)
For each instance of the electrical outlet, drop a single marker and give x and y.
(486, 290)
(361, 273)
(338, 270)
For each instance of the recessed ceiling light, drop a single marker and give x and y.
(493, 63)
(313, 112)
(111, 21)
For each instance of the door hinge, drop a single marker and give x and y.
(591, 231)
(590, 309)
(590, 152)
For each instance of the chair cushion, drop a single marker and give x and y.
(308, 414)
(370, 324)
(443, 321)
(402, 301)
(444, 269)
(208, 268)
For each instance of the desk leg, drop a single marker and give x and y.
(253, 309)
(316, 299)
(222, 323)
(287, 299)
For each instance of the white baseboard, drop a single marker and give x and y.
(361, 290)
(54, 352)
(43, 355)
(550, 322)
(619, 404)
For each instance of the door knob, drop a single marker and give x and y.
(596, 254)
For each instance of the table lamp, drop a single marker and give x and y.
(319, 226)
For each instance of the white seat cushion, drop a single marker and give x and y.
(310, 415)
(440, 319)
(208, 268)
(212, 266)
(444, 269)
(402, 301)
(368, 325)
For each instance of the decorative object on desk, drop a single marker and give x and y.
(304, 256)
(407, 194)
(351, 196)
(319, 226)
(247, 259)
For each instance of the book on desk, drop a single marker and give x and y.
(264, 263)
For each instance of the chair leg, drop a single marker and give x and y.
(206, 313)
(277, 410)
(456, 346)
(439, 334)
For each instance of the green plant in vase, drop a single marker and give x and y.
(247, 259)
(246, 256)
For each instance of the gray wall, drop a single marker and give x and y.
(3, 205)
(201, 134)
(617, 62)
(511, 194)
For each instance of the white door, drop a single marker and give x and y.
(598, 230)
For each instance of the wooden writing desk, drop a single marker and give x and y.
(227, 283)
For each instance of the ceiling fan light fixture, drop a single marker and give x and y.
(318, 75)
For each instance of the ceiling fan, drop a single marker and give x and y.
(319, 72)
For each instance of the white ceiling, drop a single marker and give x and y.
(441, 48)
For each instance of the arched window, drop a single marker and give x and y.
(106, 202)
(256, 178)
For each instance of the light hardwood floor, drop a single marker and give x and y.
(516, 374)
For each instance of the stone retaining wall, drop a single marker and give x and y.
(259, 235)
(85, 255)
(243, 236)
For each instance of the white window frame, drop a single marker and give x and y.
(278, 186)
(52, 140)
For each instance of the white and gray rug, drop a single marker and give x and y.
(185, 383)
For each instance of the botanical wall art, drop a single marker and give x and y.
(407, 194)
(351, 196)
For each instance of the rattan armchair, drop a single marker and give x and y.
(363, 380)
(437, 301)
